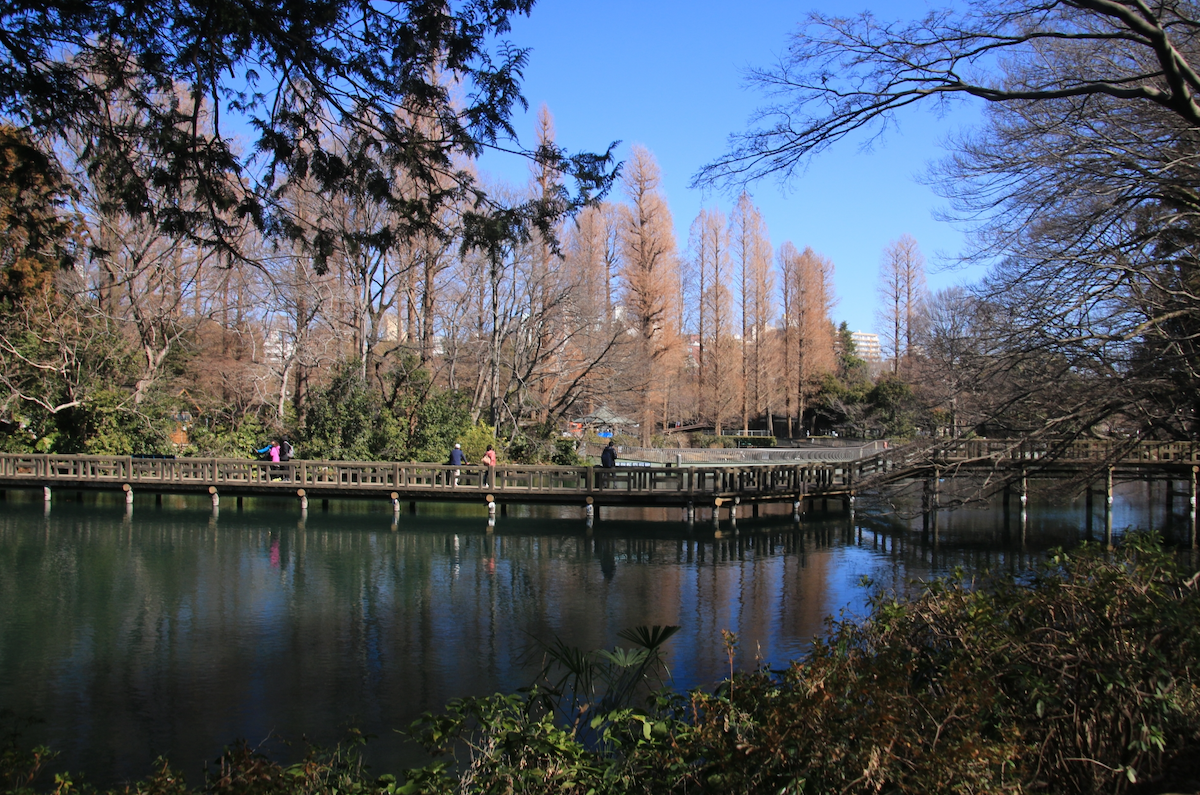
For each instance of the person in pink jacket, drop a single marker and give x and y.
(489, 461)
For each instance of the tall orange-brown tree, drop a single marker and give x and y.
(750, 247)
(709, 244)
(808, 334)
(592, 250)
(650, 285)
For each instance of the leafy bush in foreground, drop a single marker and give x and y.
(1077, 680)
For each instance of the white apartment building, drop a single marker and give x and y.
(866, 346)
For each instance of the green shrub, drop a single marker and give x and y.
(227, 441)
(710, 442)
(565, 454)
(475, 441)
(1077, 681)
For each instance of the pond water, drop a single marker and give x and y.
(171, 630)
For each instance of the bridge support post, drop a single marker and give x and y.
(46, 493)
(303, 500)
(1108, 504)
(491, 505)
(1170, 497)
(125, 487)
(930, 499)
(1192, 517)
(216, 497)
(1090, 509)
(589, 509)
(395, 504)
(1024, 504)
(1006, 499)
(796, 509)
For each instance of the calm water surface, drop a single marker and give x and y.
(173, 631)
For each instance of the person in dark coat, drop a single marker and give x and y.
(608, 458)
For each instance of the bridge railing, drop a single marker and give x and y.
(921, 455)
(693, 482)
(753, 455)
(1086, 450)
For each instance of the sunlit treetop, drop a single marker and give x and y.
(39, 235)
(344, 96)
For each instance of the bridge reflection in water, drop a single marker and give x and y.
(173, 630)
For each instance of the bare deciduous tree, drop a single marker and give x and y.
(1080, 184)
(902, 291)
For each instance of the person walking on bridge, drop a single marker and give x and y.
(489, 461)
(457, 459)
(608, 458)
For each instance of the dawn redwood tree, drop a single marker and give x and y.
(750, 249)
(714, 317)
(1081, 183)
(592, 250)
(902, 292)
(806, 288)
(39, 234)
(198, 77)
(650, 281)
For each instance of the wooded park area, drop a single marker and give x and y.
(248, 224)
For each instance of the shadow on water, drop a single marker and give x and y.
(170, 628)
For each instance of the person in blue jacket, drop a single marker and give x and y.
(457, 459)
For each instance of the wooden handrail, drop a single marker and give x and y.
(675, 485)
(679, 484)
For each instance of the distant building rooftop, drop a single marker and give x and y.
(866, 346)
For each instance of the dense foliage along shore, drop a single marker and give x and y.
(1075, 679)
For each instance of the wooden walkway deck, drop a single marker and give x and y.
(1014, 458)
(656, 485)
(711, 485)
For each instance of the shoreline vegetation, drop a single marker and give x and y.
(1076, 678)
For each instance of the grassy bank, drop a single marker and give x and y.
(1077, 679)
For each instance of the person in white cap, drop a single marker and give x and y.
(457, 459)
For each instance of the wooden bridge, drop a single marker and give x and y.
(694, 485)
(714, 485)
(1015, 460)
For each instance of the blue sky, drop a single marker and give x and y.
(670, 75)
